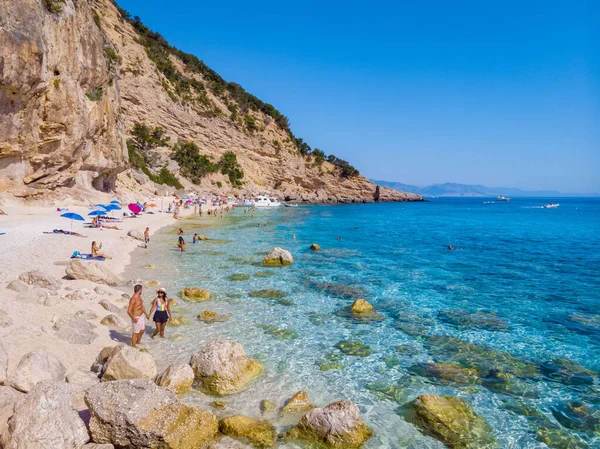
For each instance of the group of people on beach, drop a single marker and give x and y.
(161, 307)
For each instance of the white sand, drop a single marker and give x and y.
(24, 247)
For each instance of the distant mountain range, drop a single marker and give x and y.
(467, 190)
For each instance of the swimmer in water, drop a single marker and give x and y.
(450, 247)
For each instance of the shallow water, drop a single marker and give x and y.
(532, 272)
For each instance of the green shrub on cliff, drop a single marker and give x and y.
(53, 6)
(230, 167)
(193, 165)
(95, 94)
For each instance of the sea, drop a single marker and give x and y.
(515, 305)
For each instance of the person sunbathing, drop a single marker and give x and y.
(62, 231)
(96, 251)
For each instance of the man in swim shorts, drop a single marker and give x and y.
(137, 313)
(146, 237)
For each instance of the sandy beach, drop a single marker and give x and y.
(25, 247)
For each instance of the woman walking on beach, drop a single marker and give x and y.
(162, 305)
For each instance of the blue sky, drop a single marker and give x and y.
(496, 93)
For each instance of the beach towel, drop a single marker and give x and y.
(78, 255)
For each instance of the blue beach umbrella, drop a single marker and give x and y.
(73, 216)
(115, 202)
(111, 207)
(96, 212)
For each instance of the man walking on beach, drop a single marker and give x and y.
(137, 313)
(146, 237)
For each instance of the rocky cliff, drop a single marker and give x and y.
(76, 75)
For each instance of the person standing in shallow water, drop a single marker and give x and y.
(162, 305)
(181, 244)
(137, 313)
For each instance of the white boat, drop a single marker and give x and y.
(244, 203)
(551, 206)
(502, 198)
(290, 205)
(265, 201)
(489, 202)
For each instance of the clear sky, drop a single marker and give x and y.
(416, 91)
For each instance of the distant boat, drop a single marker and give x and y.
(244, 203)
(551, 206)
(265, 201)
(290, 205)
(502, 198)
(489, 202)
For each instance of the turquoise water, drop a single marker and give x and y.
(532, 273)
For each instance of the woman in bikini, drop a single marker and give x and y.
(96, 251)
(162, 305)
(181, 244)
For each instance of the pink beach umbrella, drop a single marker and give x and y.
(135, 208)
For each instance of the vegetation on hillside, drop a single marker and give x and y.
(196, 166)
(190, 89)
(53, 6)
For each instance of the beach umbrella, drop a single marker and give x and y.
(135, 208)
(112, 207)
(73, 216)
(152, 205)
(95, 213)
(115, 202)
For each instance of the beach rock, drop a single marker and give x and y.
(354, 348)
(79, 295)
(339, 425)
(315, 247)
(446, 373)
(299, 403)
(91, 271)
(34, 296)
(40, 279)
(113, 320)
(452, 421)
(473, 320)
(202, 237)
(139, 414)
(8, 398)
(227, 443)
(34, 367)
(101, 290)
(218, 405)
(194, 294)
(361, 307)
(110, 307)
(278, 257)
(239, 277)
(126, 362)
(209, 317)
(86, 314)
(97, 446)
(178, 378)
(3, 364)
(45, 419)
(222, 368)
(261, 434)
(268, 294)
(509, 384)
(5, 319)
(82, 380)
(18, 286)
(136, 234)
(179, 321)
(101, 359)
(149, 267)
(152, 283)
(75, 330)
(267, 406)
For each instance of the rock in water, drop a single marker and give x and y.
(278, 257)
(113, 320)
(452, 421)
(136, 234)
(126, 362)
(178, 378)
(40, 279)
(45, 419)
(210, 317)
(222, 368)
(261, 434)
(75, 330)
(91, 271)
(194, 294)
(299, 403)
(37, 366)
(139, 414)
(315, 247)
(339, 425)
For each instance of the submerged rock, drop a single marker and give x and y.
(139, 414)
(446, 373)
(261, 434)
(474, 320)
(578, 416)
(267, 406)
(363, 311)
(278, 257)
(222, 368)
(281, 334)
(339, 425)
(194, 294)
(452, 421)
(34, 367)
(354, 348)
(315, 247)
(298, 403)
(45, 418)
(239, 277)
(339, 290)
(507, 383)
(209, 317)
(568, 372)
(263, 274)
(125, 362)
(556, 438)
(178, 378)
(268, 294)
(179, 321)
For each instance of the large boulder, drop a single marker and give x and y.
(113, 320)
(126, 362)
(337, 425)
(194, 294)
(278, 257)
(8, 397)
(452, 421)
(40, 279)
(45, 419)
(91, 271)
(178, 378)
(138, 414)
(3, 364)
(222, 368)
(109, 306)
(260, 434)
(136, 234)
(75, 330)
(37, 366)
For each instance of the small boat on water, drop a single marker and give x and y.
(290, 205)
(265, 201)
(244, 203)
(551, 206)
(502, 198)
(489, 202)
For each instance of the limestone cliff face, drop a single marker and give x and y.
(73, 83)
(52, 134)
